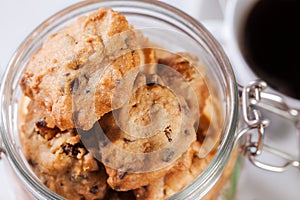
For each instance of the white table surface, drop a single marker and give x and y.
(19, 17)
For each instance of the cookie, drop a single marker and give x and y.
(187, 75)
(58, 158)
(74, 73)
(145, 138)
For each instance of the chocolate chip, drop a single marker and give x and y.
(41, 124)
(168, 155)
(32, 163)
(169, 136)
(127, 42)
(179, 107)
(107, 160)
(186, 132)
(168, 132)
(118, 81)
(86, 77)
(150, 84)
(124, 173)
(74, 85)
(70, 149)
(75, 149)
(42, 129)
(66, 148)
(127, 140)
(94, 189)
(121, 176)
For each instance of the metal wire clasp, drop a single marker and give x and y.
(253, 97)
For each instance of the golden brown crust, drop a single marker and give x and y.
(58, 158)
(85, 60)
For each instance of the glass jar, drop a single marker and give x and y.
(183, 34)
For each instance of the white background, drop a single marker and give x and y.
(19, 17)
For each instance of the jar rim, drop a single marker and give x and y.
(216, 166)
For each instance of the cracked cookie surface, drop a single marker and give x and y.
(76, 70)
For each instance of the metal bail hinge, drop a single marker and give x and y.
(253, 97)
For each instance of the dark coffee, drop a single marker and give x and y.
(270, 43)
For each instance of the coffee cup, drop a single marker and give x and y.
(261, 39)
